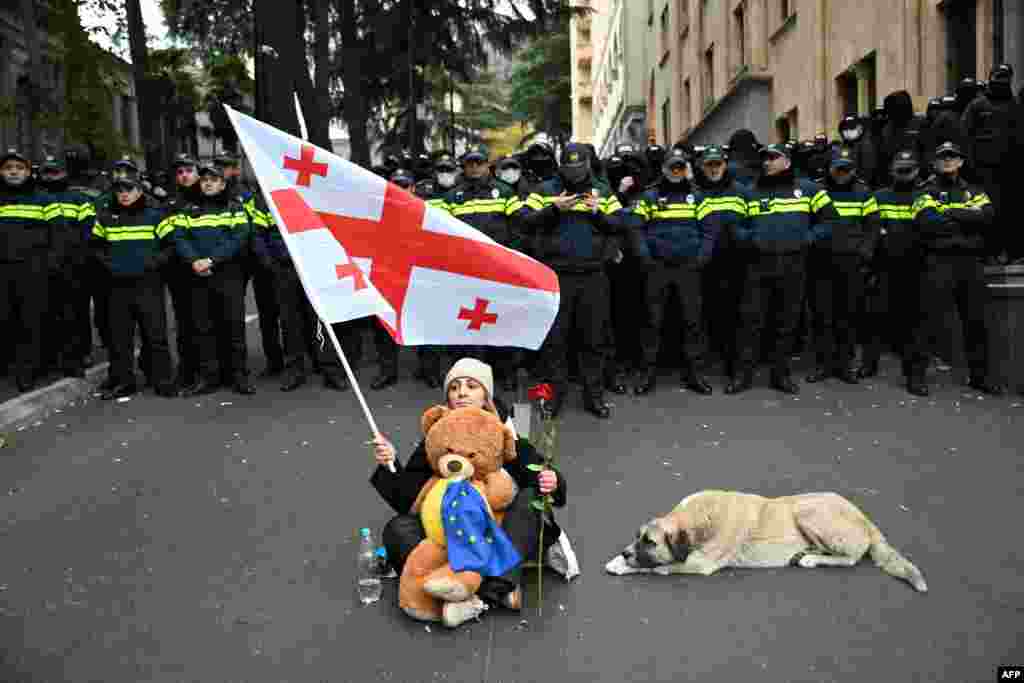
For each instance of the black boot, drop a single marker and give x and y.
(783, 381)
(985, 386)
(593, 403)
(848, 375)
(646, 380)
(694, 381)
(119, 391)
(869, 368)
(738, 384)
(243, 386)
(201, 388)
(819, 374)
(615, 382)
(292, 380)
(384, 380)
(338, 382)
(917, 385)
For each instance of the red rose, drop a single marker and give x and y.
(544, 392)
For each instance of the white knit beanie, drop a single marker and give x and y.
(474, 369)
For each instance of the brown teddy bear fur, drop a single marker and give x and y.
(478, 441)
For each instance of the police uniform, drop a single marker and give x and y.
(71, 331)
(27, 219)
(989, 126)
(626, 276)
(836, 268)
(784, 215)
(723, 212)
(891, 301)
(178, 276)
(676, 247)
(216, 228)
(575, 243)
(953, 219)
(132, 246)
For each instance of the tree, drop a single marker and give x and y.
(541, 85)
(226, 81)
(146, 89)
(31, 83)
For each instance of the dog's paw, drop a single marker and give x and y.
(617, 566)
(807, 562)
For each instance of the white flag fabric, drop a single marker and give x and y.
(430, 278)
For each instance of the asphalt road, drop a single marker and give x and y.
(213, 540)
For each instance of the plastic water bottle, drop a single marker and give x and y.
(367, 569)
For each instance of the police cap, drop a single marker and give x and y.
(948, 149)
(183, 160)
(445, 162)
(677, 157)
(13, 153)
(227, 161)
(126, 162)
(211, 169)
(510, 162)
(477, 152)
(53, 163)
(776, 150)
(905, 159)
(713, 153)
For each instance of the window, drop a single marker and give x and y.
(739, 29)
(666, 117)
(687, 104)
(782, 130)
(665, 41)
(709, 77)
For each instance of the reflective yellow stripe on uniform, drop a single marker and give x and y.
(131, 232)
(714, 204)
(896, 212)
(801, 205)
(22, 211)
(537, 202)
(675, 211)
(820, 201)
(848, 209)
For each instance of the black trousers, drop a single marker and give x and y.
(583, 309)
(429, 357)
(836, 287)
(218, 315)
(685, 280)
(948, 281)
(64, 324)
(179, 281)
(891, 308)
(24, 297)
(298, 324)
(522, 524)
(773, 296)
(131, 302)
(627, 283)
(723, 280)
(267, 305)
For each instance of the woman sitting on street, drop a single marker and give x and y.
(470, 383)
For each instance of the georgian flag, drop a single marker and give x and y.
(430, 278)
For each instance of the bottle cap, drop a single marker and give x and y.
(364, 533)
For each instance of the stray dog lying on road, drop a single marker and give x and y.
(711, 530)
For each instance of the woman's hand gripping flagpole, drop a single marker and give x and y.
(330, 330)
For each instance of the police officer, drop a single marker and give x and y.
(989, 126)
(573, 227)
(722, 212)
(443, 179)
(257, 270)
(853, 134)
(131, 243)
(69, 282)
(209, 236)
(784, 214)
(836, 268)
(903, 131)
(480, 201)
(628, 177)
(27, 222)
(953, 219)
(676, 247)
(539, 164)
(509, 172)
(892, 300)
(178, 275)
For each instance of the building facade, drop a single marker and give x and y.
(789, 69)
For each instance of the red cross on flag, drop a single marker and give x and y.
(439, 280)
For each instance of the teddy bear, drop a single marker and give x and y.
(461, 509)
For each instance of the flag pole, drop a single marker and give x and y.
(330, 329)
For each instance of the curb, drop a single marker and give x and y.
(39, 404)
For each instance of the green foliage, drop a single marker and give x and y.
(92, 78)
(541, 87)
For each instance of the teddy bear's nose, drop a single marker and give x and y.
(454, 466)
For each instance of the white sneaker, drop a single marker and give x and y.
(562, 559)
(458, 613)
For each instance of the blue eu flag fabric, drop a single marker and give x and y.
(475, 541)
